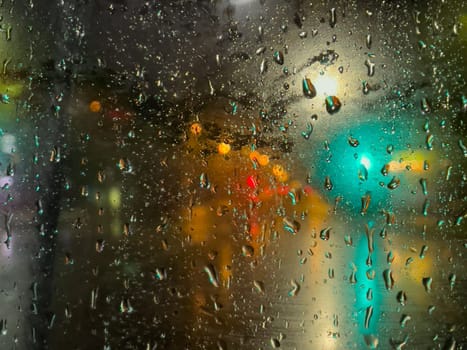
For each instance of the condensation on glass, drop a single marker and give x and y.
(252, 174)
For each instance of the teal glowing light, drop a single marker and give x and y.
(365, 161)
(354, 169)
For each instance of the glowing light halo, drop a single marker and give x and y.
(325, 85)
(365, 161)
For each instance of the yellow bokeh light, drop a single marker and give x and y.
(223, 148)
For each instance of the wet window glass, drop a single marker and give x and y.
(225, 174)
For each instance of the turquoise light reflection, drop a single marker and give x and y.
(354, 161)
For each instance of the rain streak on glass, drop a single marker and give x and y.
(233, 174)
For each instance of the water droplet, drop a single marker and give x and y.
(366, 199)
(370, 274)
(462, 147)
(290, 225)
(371, 341)
(368, 314)
(369, 236)
(426, 205)
(365, 87)
(160, 274)
(3, 327)
(385, 170)
(100, 245)
(429, 142)
(303, 34)
(450, 344)
(427, 282)
(452, 280)
(275, 343)
(10, 170)
(394, 183)
(448, 172)
(353, 141)
(353, 277)
(369, 294)
(368, 41)
(333, 105)
(279, 57)
(404, 320)
(295, 288)
(308, 88)
(260, 50)
(348, 240)
(212, 275)
(425, 105)
(40, 207)
(204, 181)
(127, 229)
(423, 251)
(332, 18)
(390, 257)
(423, 184)
(401, 297)
(388, 279)
(125, 306)
(328, 183)
(309, 130)
(259, 286)
(370, 67)
(362, 173)
(260, 31)
(248, 250)
(298, 20)
(325, 233)
(383, 233)
(263, 67)
(67, 311)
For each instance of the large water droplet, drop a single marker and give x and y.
(309, 89)
(333, 105)
(279, 57)
(290, 225)
(394, 183)
(388, 279)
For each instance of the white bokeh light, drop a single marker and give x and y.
(325, 85)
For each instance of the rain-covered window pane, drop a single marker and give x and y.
(233, 174)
